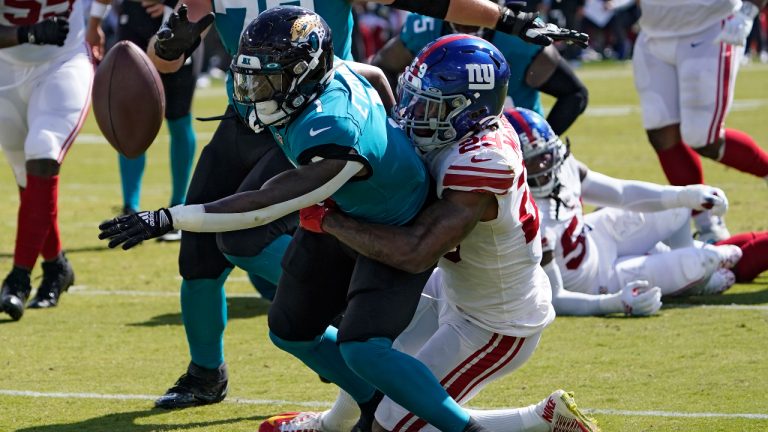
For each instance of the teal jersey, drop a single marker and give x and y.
(232, 16)
(420, 30)
(349, 114)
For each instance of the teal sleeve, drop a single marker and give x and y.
(323, 136)
(418, 31)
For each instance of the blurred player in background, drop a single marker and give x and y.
(685, 63)
(138, 22)
(608, 251)
(45, 85)
(486, 305)
(533, 68)
(238, 159)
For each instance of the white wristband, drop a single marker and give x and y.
(99, 10)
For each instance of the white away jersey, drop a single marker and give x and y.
(564, 232)
(675, 18)
(15, 13)
(493, 277)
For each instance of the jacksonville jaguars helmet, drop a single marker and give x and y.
(543, 151)
(454, 87)
(284, 62)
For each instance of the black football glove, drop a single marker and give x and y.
(130, 230)
(51, 31)
(179, 36)
(528, 27)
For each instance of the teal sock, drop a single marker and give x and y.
(322, 356)
(182, 146)
(131, 171)
(397, 375)
(204, 313)
(265, 266)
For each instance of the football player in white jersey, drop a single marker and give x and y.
(685, 63)
(615, 250)
(45, 90)
(488, 301)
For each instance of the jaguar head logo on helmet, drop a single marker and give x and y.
(454, 87)
(284, 62)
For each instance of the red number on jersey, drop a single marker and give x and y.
(29, 12)
(570, 245)
(529, 216)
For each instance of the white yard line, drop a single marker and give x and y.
(321, 404)
(85, 290)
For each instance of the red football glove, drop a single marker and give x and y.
(311, 218)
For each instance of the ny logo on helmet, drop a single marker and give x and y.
(480, 76)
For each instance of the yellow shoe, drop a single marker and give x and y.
(562, 414)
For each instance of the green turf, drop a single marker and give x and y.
(685, 360)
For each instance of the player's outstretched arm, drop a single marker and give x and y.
(283, 194)
(636, 299)
(484, 13)
(602, 190)
(416, 247)
(180, 35)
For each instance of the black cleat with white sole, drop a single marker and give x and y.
(58, 276)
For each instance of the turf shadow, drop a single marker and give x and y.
(237, 308)
(127, 422)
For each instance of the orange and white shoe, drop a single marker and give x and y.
(293, 422)
(562, 414)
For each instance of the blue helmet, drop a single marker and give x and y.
(284, 61)
(454, 87)
(543, 151)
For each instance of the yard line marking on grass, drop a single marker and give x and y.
(676, 414)
(320, 404)
(85, 290)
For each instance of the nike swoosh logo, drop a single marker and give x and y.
(695, 44)
(476, 159)
(313, 132)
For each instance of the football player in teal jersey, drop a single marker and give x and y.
(332, 126)
(249, 159)
(533, 68)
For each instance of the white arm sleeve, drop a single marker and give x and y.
(601, 190)
(194, 218)
(576, 303)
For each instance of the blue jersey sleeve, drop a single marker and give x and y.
(418, 31)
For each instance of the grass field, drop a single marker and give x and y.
(116, 341)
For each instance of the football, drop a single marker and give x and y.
(128, 99)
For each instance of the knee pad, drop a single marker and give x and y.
(199, 257)
(297, 348)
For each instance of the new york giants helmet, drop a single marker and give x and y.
(454, 87)
(284, 61)
(543, 151)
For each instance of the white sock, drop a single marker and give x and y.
(343, 414)
(511, 420)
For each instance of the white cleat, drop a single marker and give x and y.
(293, 422)
(729, 254)
(562, 414)
(721, 280)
